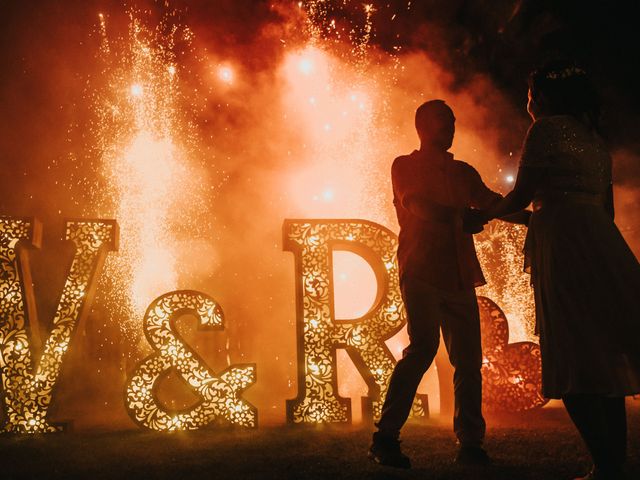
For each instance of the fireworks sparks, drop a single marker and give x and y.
(153, 190)
(341, 136)
(330, 104)
(500, 252)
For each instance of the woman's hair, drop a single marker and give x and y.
(567, 89)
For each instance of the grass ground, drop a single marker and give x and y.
(535, 445)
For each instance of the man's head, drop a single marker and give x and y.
(435, 124)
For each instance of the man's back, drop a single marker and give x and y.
(431, 191)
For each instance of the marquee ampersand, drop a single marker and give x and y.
(220, 395)
(511, 372)
(27, 386)
(320, 334)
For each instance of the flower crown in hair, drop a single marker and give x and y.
(565, 73)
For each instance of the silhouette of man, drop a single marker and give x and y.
(439, 272)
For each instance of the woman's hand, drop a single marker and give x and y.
(473, 220)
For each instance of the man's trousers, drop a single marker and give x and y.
(456, 313)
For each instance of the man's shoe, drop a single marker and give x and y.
(385, 450)
(468, 455)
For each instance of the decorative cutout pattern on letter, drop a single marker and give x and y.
(220, 394)
(319, 334)
(27, 387)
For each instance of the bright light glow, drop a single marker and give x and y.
(510, 178)
(356, 291)
(332, 109)
(136, 90)
(225, 74)
(306, 66)
(328, 195)
(148, 163)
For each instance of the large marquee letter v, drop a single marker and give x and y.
(27, 387)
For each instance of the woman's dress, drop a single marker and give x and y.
(585, 277)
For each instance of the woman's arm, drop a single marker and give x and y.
(529, 178)
(520, 218)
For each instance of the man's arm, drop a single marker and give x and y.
(483, 198)
(521, 195)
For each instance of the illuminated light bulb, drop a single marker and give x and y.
(510, 178)
(136, 90)
(305, 66)
(314, 323)
(389, 265)
(19, 347)
(32, 422)
(171, 69)
(379, 371)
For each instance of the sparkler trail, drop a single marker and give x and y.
(153, 189)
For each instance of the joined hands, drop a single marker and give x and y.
(473, 220)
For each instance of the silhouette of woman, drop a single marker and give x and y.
(585, 277)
